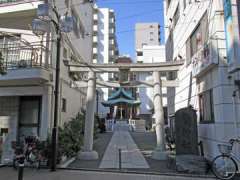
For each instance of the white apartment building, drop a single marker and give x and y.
(150, 54)
(27, 90)
(146, 34)
(148, 50)
(105, 49)
(195, 33)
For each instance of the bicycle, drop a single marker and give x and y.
(225, 166)
(32, 151)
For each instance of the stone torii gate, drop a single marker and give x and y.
(92, 83)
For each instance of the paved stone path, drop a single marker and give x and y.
(132, 158)
(33, 174)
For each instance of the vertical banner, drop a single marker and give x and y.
(229, 31)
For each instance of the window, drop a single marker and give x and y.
(206, 107)
(238, 9)
(168, 3)
(195, 41)
(198, 38)
(67, 3)
(65, 53)
(78, 27)
(75, 23)
(64, 105)
(81, 29)
(184, 4)
(139, 53)
(176, 16)
(29, 115)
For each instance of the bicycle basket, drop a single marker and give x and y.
(225, 148)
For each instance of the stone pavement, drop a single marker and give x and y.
(131, 157)
(100, 145)
(32, 174)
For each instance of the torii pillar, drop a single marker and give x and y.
(87, 152)
(160, 151)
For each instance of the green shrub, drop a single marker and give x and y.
(70, 136)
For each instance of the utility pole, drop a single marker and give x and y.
(56, 105)
(40, 26)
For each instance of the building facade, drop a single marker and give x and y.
(195, 34)
(148, 50)
(146, 34)
(150, 54)
(27, 88)
(105, 49)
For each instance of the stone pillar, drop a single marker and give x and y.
(159, 153)
(87, 153)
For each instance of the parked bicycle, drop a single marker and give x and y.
(225, 166)
(32, 150)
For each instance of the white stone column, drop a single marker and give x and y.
(159, 153)
(87, 152)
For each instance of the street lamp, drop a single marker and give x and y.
(41, 26)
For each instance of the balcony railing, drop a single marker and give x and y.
(9, 1)
(205, 58)
(17, 55)
(15, 2)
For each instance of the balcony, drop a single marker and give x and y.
(18, 5)
(111, 53)
(95, 41)
(205, 59)
(24, 64)
(95, 28)
(95, 51)
(111, 43)
(95, 18)
(14, 2)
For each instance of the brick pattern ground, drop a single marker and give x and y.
(100, 145)
(33, 174)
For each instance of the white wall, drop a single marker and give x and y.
(151, 54)
(103, 52)
(215, 78)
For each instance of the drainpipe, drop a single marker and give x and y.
(234, 112)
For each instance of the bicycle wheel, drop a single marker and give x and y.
(224, 167)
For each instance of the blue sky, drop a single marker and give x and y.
(128, 13)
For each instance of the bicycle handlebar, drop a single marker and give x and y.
(237, 140)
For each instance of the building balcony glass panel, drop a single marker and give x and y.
(206, 58)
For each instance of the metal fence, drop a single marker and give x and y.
(17, 55)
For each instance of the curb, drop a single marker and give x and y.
(141, 173)
(66, 163)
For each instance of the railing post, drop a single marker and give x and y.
(120, 158)
(31, 63)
